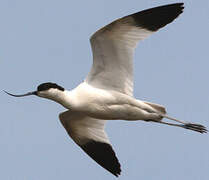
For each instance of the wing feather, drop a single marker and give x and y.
(113, 46)
(90, 135)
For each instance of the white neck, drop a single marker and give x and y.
(61, 97)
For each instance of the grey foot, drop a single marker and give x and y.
(195, 127)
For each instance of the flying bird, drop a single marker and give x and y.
(107, 91)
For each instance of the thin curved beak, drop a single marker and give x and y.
(22, 95)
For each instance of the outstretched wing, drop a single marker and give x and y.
(113, 46)
(90, 135)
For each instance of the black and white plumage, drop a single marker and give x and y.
(107, 92)
(89, 134)
(118, 41)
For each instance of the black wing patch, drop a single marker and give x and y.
(104, 155)
(155, 18)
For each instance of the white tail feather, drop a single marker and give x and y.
(158, 107)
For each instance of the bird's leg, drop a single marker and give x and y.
(174, 119)
(194, 127)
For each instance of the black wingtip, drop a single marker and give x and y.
(156, 18)
(104, 155)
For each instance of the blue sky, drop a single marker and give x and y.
(48, 40)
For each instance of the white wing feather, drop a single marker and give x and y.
(89, 134)
(82, 128)
(113, 49)
(113, 46)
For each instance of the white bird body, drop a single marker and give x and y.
(107, 91)
(102, 104)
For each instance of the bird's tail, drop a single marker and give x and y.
(159, 108)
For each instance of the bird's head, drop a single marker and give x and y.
(46, 90)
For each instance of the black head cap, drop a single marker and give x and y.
(48, 85)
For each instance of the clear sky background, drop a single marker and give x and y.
(48, 40)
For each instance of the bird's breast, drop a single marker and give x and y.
(99, 103)
(89, 100)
